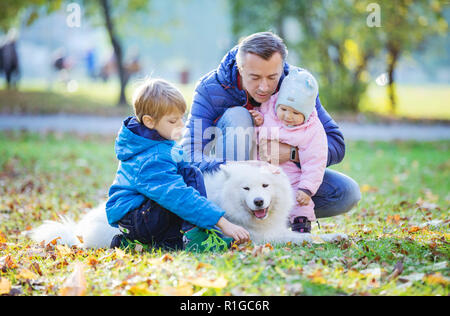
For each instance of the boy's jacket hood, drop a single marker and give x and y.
(134, 138)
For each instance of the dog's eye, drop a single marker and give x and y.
(246, 188)
(265, 185)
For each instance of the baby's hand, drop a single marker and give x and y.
(238, 233)
(258, 117)
(302, 198)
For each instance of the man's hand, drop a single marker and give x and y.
(257, 117)
(302, 198)
(238, 233)
(274, 152)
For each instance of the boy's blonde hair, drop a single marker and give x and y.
(157, 97)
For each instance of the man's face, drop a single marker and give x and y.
(259, 76)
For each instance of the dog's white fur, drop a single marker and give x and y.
(237, 186)
(234, 188)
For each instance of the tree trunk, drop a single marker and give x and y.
(117, 50)
(393, 56)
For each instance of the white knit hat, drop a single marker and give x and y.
(299, 90)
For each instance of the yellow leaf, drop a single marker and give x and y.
(140, 289)
(120, 254)
(166, 258)
(25, 274)
(414, 229)
(181, 290)
(201, 265)
(268, 245)
(218, 283)
(317, 240)
(63, 250)
(54, 241)
(5, 286)
(436, 278)
(2, 237)
(10, 263)
(75, 284)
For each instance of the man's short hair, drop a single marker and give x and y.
(262, 44)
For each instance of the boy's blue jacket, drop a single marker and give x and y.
(148, 168)
(217, 91)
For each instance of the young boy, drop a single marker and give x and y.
(155, 193)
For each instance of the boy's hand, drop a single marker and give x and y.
(238, 233)
(257, 117)
(302, 198)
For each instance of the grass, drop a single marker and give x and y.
(414, 101)
(98, 98)
(399, 238)
(90, 97)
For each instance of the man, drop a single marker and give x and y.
(220, 127)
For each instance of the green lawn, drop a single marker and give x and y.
(91, 97)
(414, 101)
(96, 97)
(399, 236)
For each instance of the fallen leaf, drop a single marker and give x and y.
(398, 269)
(10, 263)
(268, 245)
(92, 261)
(2, 237)
(140, 289)
(166, 258)
(201, 265)
(54, 241)
(218, 283)
(75, 284)
(63, 250)
(5, 286)
(317, 240)
(436, 278)
(25, 274)
(181, 290)
(413, 229)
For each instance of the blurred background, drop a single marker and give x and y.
(374, 60)
(67, 73)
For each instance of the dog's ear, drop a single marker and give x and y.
(226, 170)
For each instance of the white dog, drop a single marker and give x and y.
(255, 195)
(258, 197)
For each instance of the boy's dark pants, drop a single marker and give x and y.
(156, 226)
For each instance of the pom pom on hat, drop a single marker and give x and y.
(299, 90)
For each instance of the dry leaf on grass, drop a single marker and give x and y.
(218, 283)
(5, 286)
(181, 290)
(75, 284)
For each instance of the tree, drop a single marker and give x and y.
(335, 43)
(338, 40)
(406, 26)
(111, 12)
(12, 9)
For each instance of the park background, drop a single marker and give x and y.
(384, 74)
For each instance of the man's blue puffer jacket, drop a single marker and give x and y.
(217, 91)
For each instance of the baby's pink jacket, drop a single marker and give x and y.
(311, 141)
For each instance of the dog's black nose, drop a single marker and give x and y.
(258, 202)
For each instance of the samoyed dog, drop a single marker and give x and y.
(254, 195)
(258, 196)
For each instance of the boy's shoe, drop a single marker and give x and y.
(301, 224)
(205, 240)
(119, 241)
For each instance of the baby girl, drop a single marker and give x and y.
(290, 117)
